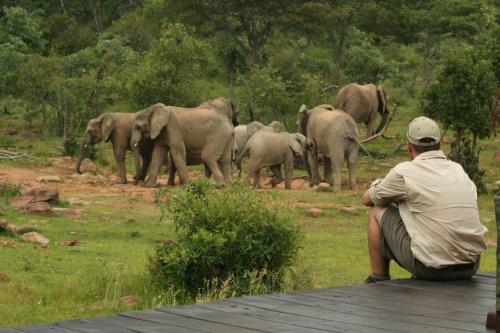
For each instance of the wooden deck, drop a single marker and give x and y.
(395, 306)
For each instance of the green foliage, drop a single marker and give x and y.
(166, 74)
(461, 99)
(8, 191)
(225, 235)
(67, 35)
(467, 156)
(461, 95)
(70, 146)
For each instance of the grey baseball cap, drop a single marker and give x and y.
(423, 128)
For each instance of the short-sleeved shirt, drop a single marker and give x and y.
(438, 205)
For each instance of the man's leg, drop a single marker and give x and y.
(379, 265)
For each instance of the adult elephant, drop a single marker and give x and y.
(363, 102)
(204, 132)
(335, 136)
(270, 148)
(117, 128)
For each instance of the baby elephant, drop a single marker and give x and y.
(271, 149)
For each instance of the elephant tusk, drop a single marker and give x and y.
(85, 145)
(136, 144)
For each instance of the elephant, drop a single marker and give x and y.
(363, 102)
(242, 133)
(269, 148)
(336, 136)
(117, 127)
(190, 160)
(203, 133)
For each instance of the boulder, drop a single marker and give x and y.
(68, 212)
(38, 208)
(35, 237)
(49, 179)
(88, 166)
(78, 202)
(349, 210)
(314, 212)
(21, 202)
(44, 195)
(324, 187)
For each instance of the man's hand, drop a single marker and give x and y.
(367, 196)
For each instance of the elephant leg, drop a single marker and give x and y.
(371, 125)
(313, 163)
(178, 158)
(212, 164)
(208, 173)
(225, 162)
(256, 179)
(143, 171)
(276, 169)
(351, 165)
(327, 173)
(337, 162)
(157, 160)
(171, 171)
(289, 171)
(238, 167)
(120, 164)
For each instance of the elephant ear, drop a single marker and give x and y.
(295, 142)
(382, 99)
(303, 118)
(107, 126)
(159, 118)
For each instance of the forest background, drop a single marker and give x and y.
(64, 62)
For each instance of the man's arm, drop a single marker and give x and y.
(383, 192)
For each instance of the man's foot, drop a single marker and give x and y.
(374, 278)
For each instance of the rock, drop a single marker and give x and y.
(9, 242)
(497, 184)
(324, 187)
(78, 202)
(88, 166)
(349, 210)
(130, 300)
(315, 188)
(68, 212)
(69, 242)
(4, 277)
(21, 202)
(497, 155)
(38, 208)
(486, 219)
(314, 212)
(88, 178)
(49, 179)
(44, 195)
(35, 237)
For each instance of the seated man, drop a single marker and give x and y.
(424, 214)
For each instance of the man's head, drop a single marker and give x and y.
(423, 135)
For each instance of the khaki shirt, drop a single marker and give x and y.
(438, 205)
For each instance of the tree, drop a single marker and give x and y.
(461, 99)
(167, 73)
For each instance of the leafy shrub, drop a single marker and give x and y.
(70, 146)
(228, 241)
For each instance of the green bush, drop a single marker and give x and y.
(229, 242)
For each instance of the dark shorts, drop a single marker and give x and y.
(396, 245)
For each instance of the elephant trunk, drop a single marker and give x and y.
(82, 155)
(385, 117)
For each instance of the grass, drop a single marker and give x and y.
(119, 231)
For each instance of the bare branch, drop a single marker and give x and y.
(382, 131)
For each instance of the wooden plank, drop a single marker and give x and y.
(45, 328)
(303, 321)
(394, 313)
(214, 316)
(142, 326)
(390, 322)
(89, 326)
(484, 279)
(466, 288)
(412, 296)
(487, 274)
(9, 330)
(187, 322)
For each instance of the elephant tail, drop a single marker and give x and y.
(360, 145)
